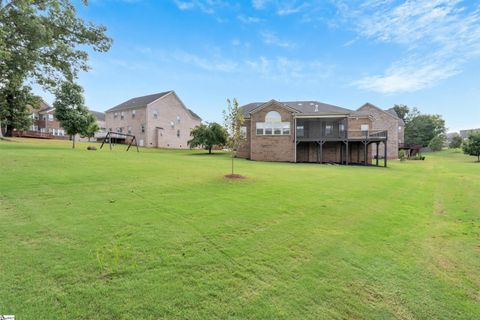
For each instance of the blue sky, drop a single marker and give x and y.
(425, 54)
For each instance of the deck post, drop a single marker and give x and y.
(295, 140)
(365, 152)
(385, 156)
(346, 153)
(321, 151)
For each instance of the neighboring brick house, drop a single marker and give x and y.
(44, 120)
(387, 120)
(100, 116)
(310, 131)
(157, 120)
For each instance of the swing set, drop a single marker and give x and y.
(119, 136)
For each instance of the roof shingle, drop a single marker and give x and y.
(307, 107)
(138, 102)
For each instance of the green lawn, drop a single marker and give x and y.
(161, 234)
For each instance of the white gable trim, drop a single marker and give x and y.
(272, 102)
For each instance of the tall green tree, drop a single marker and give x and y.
(402, 111)
(422, 128)
(208, 136)
(42, 42)
(71, 111)
(19, 117)
(472, 145)
(233, 121)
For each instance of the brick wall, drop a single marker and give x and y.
(384, 121)
(175, 121)
(272, 147)
(243, 150)
(113, 124)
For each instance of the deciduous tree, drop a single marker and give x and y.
(455, 141)
(402, 111)
(208, 136)
(436, 144)
(43, 42)
(472, 145)
(71, 111)
(233, 121)
(92, 128)
(422, 128)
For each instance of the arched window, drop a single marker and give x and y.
(273, 116)
(273, 125)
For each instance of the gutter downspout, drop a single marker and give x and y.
(295, 137)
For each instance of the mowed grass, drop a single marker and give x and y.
(161, 234)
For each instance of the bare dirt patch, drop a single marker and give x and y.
(234, 176)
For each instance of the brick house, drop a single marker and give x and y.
(158, 120)
(44, 121)
(311, 131)
(387, 120)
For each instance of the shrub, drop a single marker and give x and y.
(417, 157)
(436, 144)
(401, 155)
(91, 148)
(455, 142)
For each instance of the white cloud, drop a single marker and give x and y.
(438, 37)
(248, 19)
(271, 38)
(259, 4)
(206, 6)
(288, 9)
(408, 76)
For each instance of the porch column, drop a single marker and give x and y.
(377, 154)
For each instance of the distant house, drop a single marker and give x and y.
(390, 121)
(157, 120)
(312, 131)
(100, 116)
(44, 121)
(465, 133)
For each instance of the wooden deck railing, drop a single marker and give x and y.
(33, 134)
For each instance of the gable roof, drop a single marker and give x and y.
(304, 107)
(138, 102)
(394, 113)
(99, 115)
(391, 112)
(194, 115)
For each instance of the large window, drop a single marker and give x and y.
(273, 125)
(122, 115)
